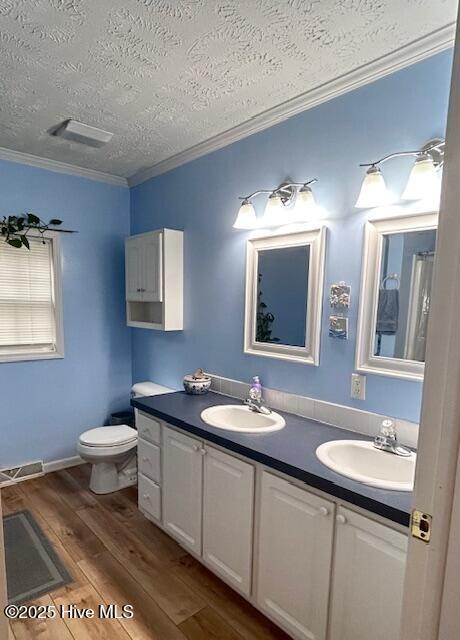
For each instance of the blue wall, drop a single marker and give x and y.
(46, 404)
(401, 111)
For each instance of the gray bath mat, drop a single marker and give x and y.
(32, 566)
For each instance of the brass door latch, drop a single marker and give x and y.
(421, 525)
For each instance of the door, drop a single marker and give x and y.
(295, 551)
(431, 592)
(3, 598)
(228, 499)
(368, 569)
(182, 487)
(152, 273)
(133, 267)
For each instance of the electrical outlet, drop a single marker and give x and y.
(358, 386)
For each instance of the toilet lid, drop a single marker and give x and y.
(109, 436)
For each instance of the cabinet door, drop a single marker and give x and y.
(368, 576)
(295, 552)
(227, 517)
(133, 268)
(152, 272)
(182, 488)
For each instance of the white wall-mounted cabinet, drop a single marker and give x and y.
(295, 552)
(154, 280)
(319, 570)
(367, 581)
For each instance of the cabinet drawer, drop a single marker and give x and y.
(148, 456)
(149, 497)
(148, 427)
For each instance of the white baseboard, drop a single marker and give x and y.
(64, 463)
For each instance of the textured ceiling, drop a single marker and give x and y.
(165, 75)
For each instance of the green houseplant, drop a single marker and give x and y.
(15, 229)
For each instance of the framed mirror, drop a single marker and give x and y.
(396, 288)
(284, 292)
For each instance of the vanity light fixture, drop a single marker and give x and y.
(373, 190)
(246, 218)
(423, 180)
(305, 204)
(290, 202)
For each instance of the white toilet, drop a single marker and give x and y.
(112, 450)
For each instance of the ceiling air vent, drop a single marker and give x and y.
(83, 133)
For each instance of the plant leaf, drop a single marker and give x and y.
(15, 242)
(33, 219)
(55, 222)
(25, 242)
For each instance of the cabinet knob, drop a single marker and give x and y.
(145, 459)
(146, 496)
(203, 451)
(195, 447)
(138, 289)
(323, 511)
(340, 519)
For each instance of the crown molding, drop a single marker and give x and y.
(61, 167)
(415, 51)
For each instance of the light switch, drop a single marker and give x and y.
(358, 386)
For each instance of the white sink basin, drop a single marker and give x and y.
(234, 417)
(361, 461)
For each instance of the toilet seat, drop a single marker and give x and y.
(106, 437)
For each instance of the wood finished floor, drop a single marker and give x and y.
(116, 556)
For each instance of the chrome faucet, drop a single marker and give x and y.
(255, 400)
(387, 440)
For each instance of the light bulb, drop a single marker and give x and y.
(273, 211)
(246, 218)
(423, 180)
(305, 205)
(373, 190)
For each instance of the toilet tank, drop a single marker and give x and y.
(148, 389)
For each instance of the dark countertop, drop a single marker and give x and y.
(290, 450)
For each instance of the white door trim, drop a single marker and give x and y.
(439, 440)
(3, 596)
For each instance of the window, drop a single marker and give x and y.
(30, 301)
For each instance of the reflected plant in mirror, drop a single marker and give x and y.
(403, 309)
(282, 304)
(264, 318)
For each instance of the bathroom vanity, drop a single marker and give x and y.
(321, 555)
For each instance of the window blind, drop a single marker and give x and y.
(27, 309)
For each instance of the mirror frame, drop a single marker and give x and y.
(316, 239)
(375, 229)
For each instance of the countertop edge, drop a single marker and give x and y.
(312, 480)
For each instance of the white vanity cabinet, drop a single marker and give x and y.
(294, 561)
(182, 487)
(228, 505)
(154, 280)
(208, 505)
(367, 580)
(149, 465)
(319, 570)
